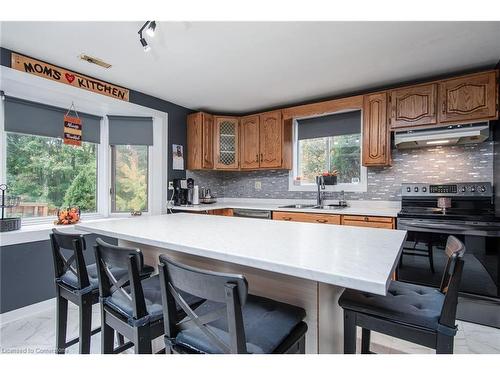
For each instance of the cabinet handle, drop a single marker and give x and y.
(367, 219)
(257, 157)
(261, 157)
(287, 218)
(444, 107)
(321, 220)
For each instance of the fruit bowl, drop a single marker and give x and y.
(68, 216)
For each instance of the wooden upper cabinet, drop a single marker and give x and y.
(226, 142)
(376, 135)
(208, 141)
(472, 97)
(413, 106)
(200, 145)
(194, 141)
(271, 140)
(249, 149)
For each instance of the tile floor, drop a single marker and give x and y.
(36, 334)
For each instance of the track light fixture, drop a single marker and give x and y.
(150, 27)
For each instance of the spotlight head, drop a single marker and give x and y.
(151, 29)
(145, 45)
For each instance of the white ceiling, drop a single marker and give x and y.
(240, 67)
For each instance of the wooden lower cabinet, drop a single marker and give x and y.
(306, 217)
(352, 220)
(368, 221)
(221, 212)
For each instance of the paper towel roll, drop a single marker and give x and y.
(196, 195)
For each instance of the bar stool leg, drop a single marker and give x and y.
(142, 341)
(444, 344)
(107, 335)
(120, 338)
(85, 311)
(349, 332)
(365, 341)
(61, 323)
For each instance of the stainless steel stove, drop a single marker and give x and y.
(468, 212)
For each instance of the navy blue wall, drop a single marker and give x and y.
(26, 270)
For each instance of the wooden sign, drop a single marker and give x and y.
(72, 131)
(54, 73)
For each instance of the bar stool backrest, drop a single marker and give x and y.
(67, 253)
(450, 282)
(110, 256)
(229, 290)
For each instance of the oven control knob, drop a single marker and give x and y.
(424, 189)
(464, 189)
(473, 189)
(408, 189)
(416, 189)
(483, 189)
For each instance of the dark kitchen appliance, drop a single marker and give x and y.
(183, 191)
(255, 214)
(468, 212)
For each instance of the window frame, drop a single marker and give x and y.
(155, 196)
(112, 170)
(361, 187)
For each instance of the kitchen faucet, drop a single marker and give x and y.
(320, 181)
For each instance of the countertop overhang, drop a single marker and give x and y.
(350, 257)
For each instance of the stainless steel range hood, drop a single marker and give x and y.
(447, 136)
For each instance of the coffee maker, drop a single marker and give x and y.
(183, 191)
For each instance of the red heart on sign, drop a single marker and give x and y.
(70, 77)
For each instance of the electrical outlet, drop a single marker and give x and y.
(258, 185)
(170, 185)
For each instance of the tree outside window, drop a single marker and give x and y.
(130, 178)
(47, 175)
(341, 153)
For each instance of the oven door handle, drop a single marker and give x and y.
(448, 228)
(441, 227)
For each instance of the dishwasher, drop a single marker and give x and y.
(256, 214)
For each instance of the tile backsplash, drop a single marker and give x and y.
(438, 164)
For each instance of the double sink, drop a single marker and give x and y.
(316, 207)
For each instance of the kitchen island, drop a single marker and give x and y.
(304, 264)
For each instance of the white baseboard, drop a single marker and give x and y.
(25, 311)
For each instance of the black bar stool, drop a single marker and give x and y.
(230, 320)
(420, 314)
(130, 306)
(76, 282)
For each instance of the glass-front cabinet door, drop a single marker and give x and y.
(226, 143)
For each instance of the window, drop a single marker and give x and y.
(326, 144)
(47, 174)
(129, 183)
(341, 153)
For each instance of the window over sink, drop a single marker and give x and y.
(328, 143)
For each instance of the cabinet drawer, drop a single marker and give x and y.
(368, 221)
(306, 218)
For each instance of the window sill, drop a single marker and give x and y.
(348, 188)
(31, 232)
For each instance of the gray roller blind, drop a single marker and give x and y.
(130, 130)
(23, 116)
(330, 125)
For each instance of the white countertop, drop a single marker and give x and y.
(351, 257)
(368, 208)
